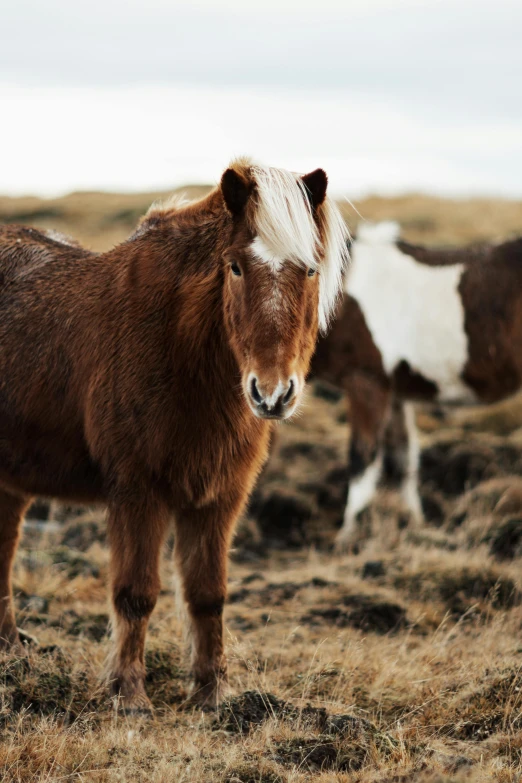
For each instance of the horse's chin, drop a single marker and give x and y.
(287, 414)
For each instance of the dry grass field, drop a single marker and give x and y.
(397, 664)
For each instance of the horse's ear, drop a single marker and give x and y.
(316, 183)
(236, 191)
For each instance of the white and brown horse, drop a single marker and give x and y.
(417, 323)
(148, 378)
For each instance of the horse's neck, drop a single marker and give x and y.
(174, 266)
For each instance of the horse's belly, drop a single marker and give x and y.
(46, 466)
(446, 385)
(439, 358)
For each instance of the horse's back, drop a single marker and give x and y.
(24, 250)
(42, 449)
(454, 318)
(414, 313)
(43, 277)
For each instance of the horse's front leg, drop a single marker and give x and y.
(202, 542)
(11, 514)
(401, 457)
(369, 398)
(136, 532)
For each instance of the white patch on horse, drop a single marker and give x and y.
(410, 484)
(273, 304)
(271, 399)
(413, 311)
(360, 492)
(264, 254)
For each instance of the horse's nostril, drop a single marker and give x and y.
(255, 392)
(289, 393)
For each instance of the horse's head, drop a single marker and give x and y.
(283, 272)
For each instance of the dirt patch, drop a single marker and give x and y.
(73, 562)
(363, 612)
(324, 741)
(315, 754)
(489, 499)
(82, 534)
(433, 508)
(94, 627)
(252, 708)
(282, 519)
(32, 607)
(258, 771)
(506, 540)
(460, 589)
(240, 623)
(314, 451)
(454, 467)
(373, 569)
(47, 683)
(164, 674)
(493, 707)
(91, 626)
(276, 593)
(345, 743)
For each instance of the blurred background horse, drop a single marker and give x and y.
(417, 324)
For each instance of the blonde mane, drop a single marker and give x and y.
(284, 222)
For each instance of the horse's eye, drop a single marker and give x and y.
(311, 272)
(235, 269)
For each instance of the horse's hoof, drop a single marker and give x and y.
(17, 643)
(136, 705)
(346, 544)
(26, 639)
(137, 712)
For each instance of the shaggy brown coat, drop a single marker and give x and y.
(126, 378)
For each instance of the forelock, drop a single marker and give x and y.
(283, 216)
(287, 231)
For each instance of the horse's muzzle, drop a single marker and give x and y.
(276, 403)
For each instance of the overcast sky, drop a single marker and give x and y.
(441, 64)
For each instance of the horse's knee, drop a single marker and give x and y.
(365, 469)
(134, 605)
(202, 609)
(361, 456)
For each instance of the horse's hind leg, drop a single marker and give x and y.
(401, 456)
(12, 509)
(136, 533)
(369, 411)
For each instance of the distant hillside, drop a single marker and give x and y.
(100, 220)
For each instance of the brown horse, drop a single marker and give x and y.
(417, 323)
(149, 378)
